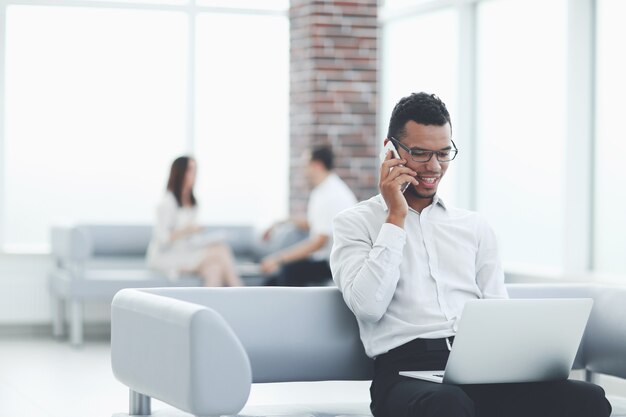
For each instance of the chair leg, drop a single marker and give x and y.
(58, 316)
(76, 323)
(139, 404)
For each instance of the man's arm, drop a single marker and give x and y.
(366, 272)
(300, 223)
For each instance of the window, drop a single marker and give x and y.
(527, 85)
(610, 175)
(521, 69)
(414, 60)
(243, 99)
(267, 5)
(94, 116)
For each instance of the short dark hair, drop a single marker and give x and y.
(422, 108)
(323, 154)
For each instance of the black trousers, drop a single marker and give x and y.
(301, 274)
(397, 396)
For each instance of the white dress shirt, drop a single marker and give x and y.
(402, 284)
(329, 198)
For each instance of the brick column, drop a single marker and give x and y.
(333, 98)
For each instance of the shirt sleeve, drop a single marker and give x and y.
(489, 272)
(321, 221)
(166, 216)
(366, 272)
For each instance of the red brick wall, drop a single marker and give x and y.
(334, 91)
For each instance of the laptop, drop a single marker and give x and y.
(507, 341)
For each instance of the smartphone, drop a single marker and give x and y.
(394, 152)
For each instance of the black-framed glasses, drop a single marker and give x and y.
(420, 155)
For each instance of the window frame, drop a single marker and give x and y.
(578, 239)
(191, 10)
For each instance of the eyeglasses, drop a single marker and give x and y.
(419, 155)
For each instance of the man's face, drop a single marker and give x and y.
(308, 167)
(313, 172)
(426, 138)
(309, 172)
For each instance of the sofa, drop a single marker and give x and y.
(94, 262)
(200, 350)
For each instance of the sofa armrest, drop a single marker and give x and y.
(181, 353)
(605, 338)
(69, 245)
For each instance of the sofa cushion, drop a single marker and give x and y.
(105, 283)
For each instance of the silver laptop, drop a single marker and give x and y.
(505, 341)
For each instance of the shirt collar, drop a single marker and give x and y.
(436, 201)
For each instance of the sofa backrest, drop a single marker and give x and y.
(115, 240)
(308, 334)
(605, 337)
(289, 334)
(82, 242)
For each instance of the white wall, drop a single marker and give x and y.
(24, 298)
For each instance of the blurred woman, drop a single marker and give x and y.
(176, 245)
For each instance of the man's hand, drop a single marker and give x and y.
(390, 185)
(300, 223)
(270, 265)
(268, 232)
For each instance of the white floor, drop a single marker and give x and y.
(42, 377)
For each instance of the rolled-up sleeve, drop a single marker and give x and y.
(366, 271)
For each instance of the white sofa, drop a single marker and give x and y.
(94, 262)
(200, 350)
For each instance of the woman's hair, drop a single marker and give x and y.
(177, 178)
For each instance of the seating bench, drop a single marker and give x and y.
(200, 349)
(94, 262)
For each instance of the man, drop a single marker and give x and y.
(407, 263)
(306, 262)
